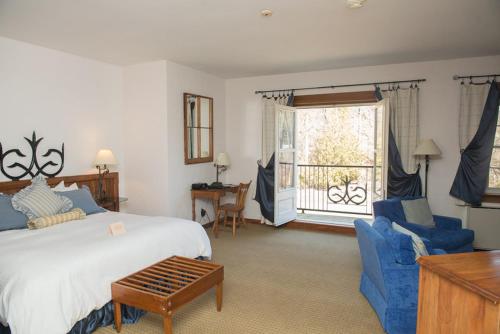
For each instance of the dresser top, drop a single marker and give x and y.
(478, 271)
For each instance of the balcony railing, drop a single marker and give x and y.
(337, 188)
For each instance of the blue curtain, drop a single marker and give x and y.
(290, 100)
(264, 194)
(399, 183)
(471, 180)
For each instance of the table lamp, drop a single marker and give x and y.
(427, 148)
(221, 165)
(103, 159)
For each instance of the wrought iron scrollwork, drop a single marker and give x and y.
(34, 168)
(351, 193)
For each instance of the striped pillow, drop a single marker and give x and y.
(43, 222)
(38, 200)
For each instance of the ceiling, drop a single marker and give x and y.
(230, 39)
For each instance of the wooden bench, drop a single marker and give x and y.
(165, 286)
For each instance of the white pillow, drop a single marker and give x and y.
(418, 244)
(60, 187)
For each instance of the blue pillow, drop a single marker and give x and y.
(82, 198)
(401, 244)
(10, 219)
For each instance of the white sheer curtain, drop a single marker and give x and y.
(472, 100)
(268, 134)
(403, 113)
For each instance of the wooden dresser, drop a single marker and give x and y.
(459, 293)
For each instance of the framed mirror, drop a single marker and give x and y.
(198, 129)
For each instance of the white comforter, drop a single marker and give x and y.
(54, 277)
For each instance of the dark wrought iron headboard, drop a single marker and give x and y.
(34, 168)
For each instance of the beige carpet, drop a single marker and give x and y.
(277, 281)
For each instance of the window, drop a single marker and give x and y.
(494, 181)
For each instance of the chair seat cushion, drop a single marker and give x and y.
(446, 239)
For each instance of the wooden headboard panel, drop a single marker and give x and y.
(110, 185)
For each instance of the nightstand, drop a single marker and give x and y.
(111, 204)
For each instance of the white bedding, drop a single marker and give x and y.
(54, 277)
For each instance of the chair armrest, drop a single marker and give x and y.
(438, 251)
(430, 250)
(419, 230)
(448, 223)
(401, 283)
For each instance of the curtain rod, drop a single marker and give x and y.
(340, 86)
(458, 77)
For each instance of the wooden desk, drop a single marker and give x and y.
(211, 194)
(459, 293)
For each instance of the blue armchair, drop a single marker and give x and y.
(448, 233)
(389, 279)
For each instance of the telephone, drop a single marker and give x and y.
(216, 185)
(199, 186)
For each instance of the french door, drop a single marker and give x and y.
(380, 155)
(285, 180)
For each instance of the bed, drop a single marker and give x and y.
(52, 278)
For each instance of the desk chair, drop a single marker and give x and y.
(235, 209)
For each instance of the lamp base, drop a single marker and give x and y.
(101, 193)
(427, 162)
(216, 185)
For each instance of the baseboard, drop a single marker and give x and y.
(301, 225)
(306, 226)
(253, 221)
(247, 220)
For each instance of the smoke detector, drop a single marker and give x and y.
(266, 12)
(355, 3)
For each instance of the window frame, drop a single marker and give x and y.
(494, 191)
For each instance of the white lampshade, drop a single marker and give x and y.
(105, 157)
(427, 147)
(222, 159)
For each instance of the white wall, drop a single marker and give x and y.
(145, 137)
(181, 79)
(158, 182)
(64, 98)
(438, 116)
(137, 111)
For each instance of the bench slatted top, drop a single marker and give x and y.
(167, 285)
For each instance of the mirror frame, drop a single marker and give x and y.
(210, 158)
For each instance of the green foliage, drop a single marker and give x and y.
(335, 136)
(494, 181)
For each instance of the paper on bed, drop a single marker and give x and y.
(117, 228)
(54, 277)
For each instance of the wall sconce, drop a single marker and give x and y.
(103, 159)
